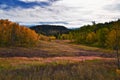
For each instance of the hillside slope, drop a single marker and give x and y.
(50, 29)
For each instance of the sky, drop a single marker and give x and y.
(69, 13)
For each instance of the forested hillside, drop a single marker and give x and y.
(12, 34)
(105, 35)
(50, 30)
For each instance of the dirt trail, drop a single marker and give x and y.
(56, 59)
(76, 59)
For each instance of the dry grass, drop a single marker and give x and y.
(56, 60)
(65, 48)
(34, 69)
(55, 48)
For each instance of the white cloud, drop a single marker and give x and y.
(75, 13)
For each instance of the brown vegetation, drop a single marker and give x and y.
(32, 70)
(56, 48)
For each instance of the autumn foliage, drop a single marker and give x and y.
(104, 35)
(12, 34)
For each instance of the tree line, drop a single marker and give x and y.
(105, 35)
(12, 34)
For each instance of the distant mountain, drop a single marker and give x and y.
(50, 29)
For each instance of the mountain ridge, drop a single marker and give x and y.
(49, 30)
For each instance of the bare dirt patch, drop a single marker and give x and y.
(54, 59)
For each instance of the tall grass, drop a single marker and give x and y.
(96, 70)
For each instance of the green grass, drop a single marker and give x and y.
(86, 47)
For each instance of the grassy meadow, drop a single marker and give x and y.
(57, 60)
(55, 48)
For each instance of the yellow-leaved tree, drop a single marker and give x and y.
(91, 37)
(12, 34)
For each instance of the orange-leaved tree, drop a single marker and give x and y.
(12, 34)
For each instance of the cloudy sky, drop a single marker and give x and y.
(70, 13)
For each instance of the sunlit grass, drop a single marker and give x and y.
(94, 49)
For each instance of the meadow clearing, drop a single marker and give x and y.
(57, 60)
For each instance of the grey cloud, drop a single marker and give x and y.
(113, 7)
